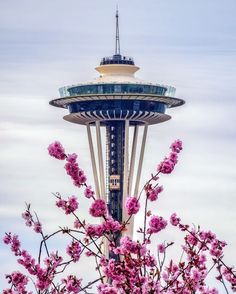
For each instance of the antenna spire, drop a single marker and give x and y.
(117, 52)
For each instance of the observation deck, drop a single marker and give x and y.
(117, 95)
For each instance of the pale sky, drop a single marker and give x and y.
(187, 44)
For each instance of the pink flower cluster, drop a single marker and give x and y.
(44, 276)
(132, 205)
(56, 150)
(174, 220)
(74, 171)
(168, 164)
(161, 248)
(106, 289)
(229, 275)
(74, 250)
(14, 242)
(72, 168)
(153, 193)
(126, 275)
(176, 146)
(18, 282)
(98, 208)
(127, 246)
(156, 224)
(89, 193)
(29, 220)
(69, 205)
(72, 284)
(108, 226)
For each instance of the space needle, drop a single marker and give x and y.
(125, 106)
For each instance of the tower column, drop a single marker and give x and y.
(130, 226)
(126, 169)
(95, 174)
(100, 160)
(140, 164)
(115, 132)
(132, 160)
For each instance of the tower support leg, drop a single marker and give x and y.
(140, 164)
(100, 160)
(132, 160)
(91, 149)
(130, 226)
(126, 170)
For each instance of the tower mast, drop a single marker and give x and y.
(117, 51)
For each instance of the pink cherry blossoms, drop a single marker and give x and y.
(18, 282)
(174, 220)
(156, 224)
(153, 193)
(168, 164)
(69, 206)
(122, 264)
(71, 284)
(74, 250)
(132, 205)
(98, 208)
(74, 171)
(56, 150)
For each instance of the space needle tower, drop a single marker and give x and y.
(125, 106)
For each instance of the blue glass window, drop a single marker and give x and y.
(117, 88)
(117, 105)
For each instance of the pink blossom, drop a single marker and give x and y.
(8, 291)
(14, 242)
(72, 158)
(132, 205)
(174, 220)
(74, 171)
(74, 250)
(98, 208)
(18, 281)
(113, 270)
(28, 262)
(166, 166)
(94, 230)
(111, 225)
(161, 248)
(7, 238)
(156, 224)
(72, 284)
(207, 237)
(152, 194)
(69, 205)
(173, 157)
(106, 289)
(89, 253)
(192, 238)
(28, 218)
(128, 246)
(56, 150)
(88, 192)
(37, 227)
(176, 146)
(77, 224)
